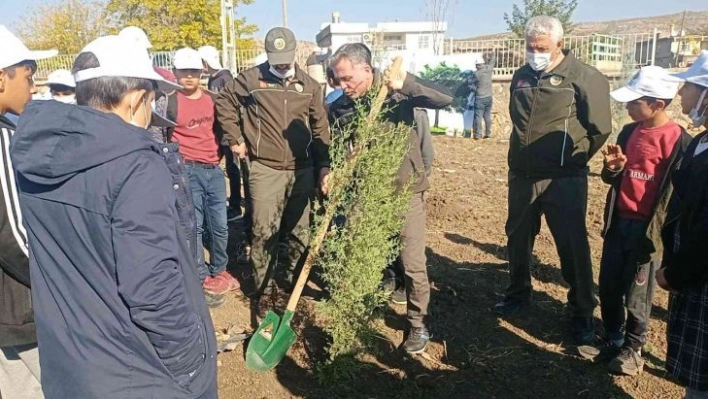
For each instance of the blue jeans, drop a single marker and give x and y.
(483, 110)
(209, 193)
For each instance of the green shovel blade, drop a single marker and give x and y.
(271, 342)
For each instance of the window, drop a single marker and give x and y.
(424, 42)
(353, 39)
(393, 39)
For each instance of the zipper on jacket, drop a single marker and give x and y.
(530, 125)
(258, 122)
(565, 139)
(286, 82)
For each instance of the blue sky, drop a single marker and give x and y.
(471, 17)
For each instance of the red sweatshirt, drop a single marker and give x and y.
(195, 129)
(648, 158)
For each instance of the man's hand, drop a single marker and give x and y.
(661, 280)
(240, 150)
(324, 181)
(394, 79)
(614, 158)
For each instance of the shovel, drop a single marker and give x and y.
(274, 337)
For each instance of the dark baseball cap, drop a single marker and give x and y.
(280, 45)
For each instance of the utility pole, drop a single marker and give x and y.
(285, 13)
(680, 41)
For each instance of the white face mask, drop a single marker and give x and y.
(538, 61)
(145, 114)
(66, 99)
(289, 74)
(699, 119)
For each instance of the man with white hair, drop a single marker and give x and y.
(560, 110)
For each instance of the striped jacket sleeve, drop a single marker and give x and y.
(13, 236)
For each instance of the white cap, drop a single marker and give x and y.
(650, 81)
(211, 55)
(61, 77)
(697, 73)
(13, 51)
(119, 58)
(136, 36)
(187, 58)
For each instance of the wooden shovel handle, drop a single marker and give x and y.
(316, 244)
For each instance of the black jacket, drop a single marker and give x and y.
(685, 232)
(119, 307)
(416, 93)
(219, 80)
(650, 246)
(560, 119)
(16, 318)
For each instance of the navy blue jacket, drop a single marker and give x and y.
(118, 304)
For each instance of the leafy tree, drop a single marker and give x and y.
(171, 24)
(561, 9)
(450, 77)
(66, 26)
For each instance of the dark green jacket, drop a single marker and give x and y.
(560, 119)
(650, 247)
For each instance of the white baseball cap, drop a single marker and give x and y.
(61, 77)
(649, 81)
(136, 36)
(697, 73)
(13, 51)
(187, 58)
(120, 58)
(211, 55)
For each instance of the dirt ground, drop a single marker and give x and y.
(474, 354)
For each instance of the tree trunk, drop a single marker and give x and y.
(437, 118)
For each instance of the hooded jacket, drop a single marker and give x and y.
(16, 320)
(118, 304)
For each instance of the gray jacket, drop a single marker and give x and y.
(484, 77)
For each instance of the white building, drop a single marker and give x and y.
(418, 37)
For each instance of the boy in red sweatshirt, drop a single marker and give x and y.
(637, 168)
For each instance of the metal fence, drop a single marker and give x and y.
(609, 53)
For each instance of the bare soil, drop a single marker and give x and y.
(474, 354)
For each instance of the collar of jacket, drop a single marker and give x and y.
(344, 99)
(266, 76)
(6, 123)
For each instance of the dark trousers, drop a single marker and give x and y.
(209, 194)
(281, 210)
(564, 203)
(483, 111)
(626, 281)
(413, 261)
(234, 175)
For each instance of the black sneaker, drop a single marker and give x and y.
(399, 296)
(628, 362)
(604, 352)
(213, 301)
(417, 340)
(510, 306)
(232, 214)
(583, 331)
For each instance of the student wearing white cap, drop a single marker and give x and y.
(118, 304)
(218, 75)
(638, 169)
(684, 271)
(200, 143)
(62, 86)
(19, 359)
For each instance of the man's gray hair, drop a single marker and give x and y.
(545, 25)
(357, 53)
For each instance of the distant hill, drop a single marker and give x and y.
(696, 23)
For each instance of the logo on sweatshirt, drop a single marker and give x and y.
(299, 88)
(556, 80)
(635, 174)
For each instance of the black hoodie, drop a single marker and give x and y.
(118, 304)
